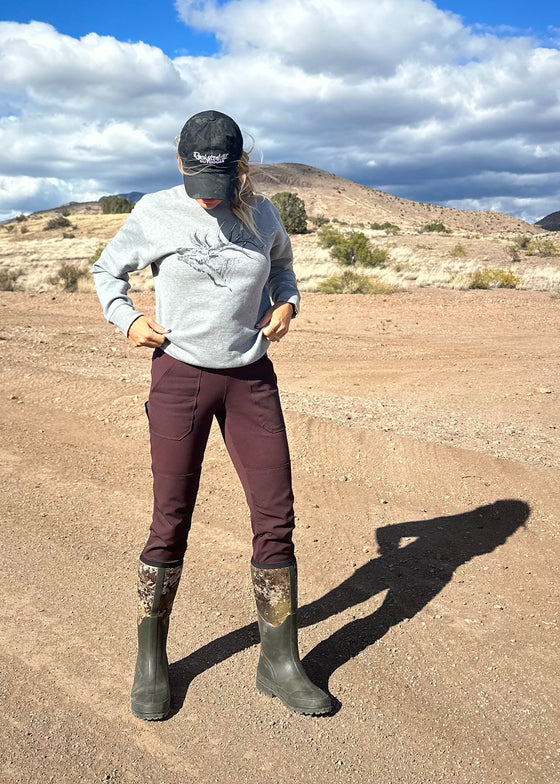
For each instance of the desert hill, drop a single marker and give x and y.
(336, 197)
(550, 222)
(32, 254)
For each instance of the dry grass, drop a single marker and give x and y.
(435, 259)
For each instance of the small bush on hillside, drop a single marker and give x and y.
(21, 218)
(68, 275)
(329, 236)
(389, 228)
(67, 235)
(542, 248)
(24, 229)
(514, 253)
(351, 248)
(10, 226)
(65, 213)
(352, 283)
(437, 227)
(58, 222)
(377, 257)
(458, 251)
(111, 205)
(292, 211)
(319, 220)
(490, 278)
(8, 279)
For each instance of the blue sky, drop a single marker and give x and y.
(453, 102)
(158, 23)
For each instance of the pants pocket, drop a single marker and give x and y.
(172, 402)
(266, 400)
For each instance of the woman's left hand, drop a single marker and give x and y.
(276, 321)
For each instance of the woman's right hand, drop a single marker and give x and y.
(146, 332)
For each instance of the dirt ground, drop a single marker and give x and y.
(424, 436)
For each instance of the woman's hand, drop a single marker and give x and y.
(276, 321)
(146, 332)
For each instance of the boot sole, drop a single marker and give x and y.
(152, 713)
(266, 690)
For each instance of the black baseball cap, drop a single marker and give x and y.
(210, 145)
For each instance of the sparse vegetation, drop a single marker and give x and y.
(319, 220)
(58, 222)
(491, 278)
(24, 229)
(292, 211)
(65, 213)
(514, 253)
(542, 248)
(68, 275)
(352, 248)
(111, 205)
(21, 218)
(68, 235)
(10, 226)
(436, 227)
(350, 282)
(389, 228)
(459, 251)
(8, 279)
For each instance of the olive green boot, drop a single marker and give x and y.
(157, 586)
(280, 672)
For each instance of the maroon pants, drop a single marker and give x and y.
(182, 403)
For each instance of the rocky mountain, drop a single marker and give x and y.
(550, 222)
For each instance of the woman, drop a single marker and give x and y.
(220, 256)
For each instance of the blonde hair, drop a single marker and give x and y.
(243, 201)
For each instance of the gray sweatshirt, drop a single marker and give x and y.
(213, 278)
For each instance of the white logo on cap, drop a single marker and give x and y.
(211, 158)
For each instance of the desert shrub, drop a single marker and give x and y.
(67, 235)
(329, 236)
(8, 279)
(10, 226)
(542, 248)
(96, 254)
(389, 228)
(292, 211)
(24, 229)
(437, 227)
(351, 248)
(65, 213)
(458, 250)
(68, 275)
(21, 218)
(377, 257)
(491, 278)
(514, 252)
(350, 282)
(319, 220)
(58, 222)
(523, 242)
(111, 205)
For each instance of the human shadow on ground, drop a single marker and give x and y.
(412, 573)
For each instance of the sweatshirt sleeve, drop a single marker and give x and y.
(128, 251)
(282, 284)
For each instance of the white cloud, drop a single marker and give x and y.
(445, 113)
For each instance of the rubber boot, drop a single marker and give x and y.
(157, 586)
(280, 672)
